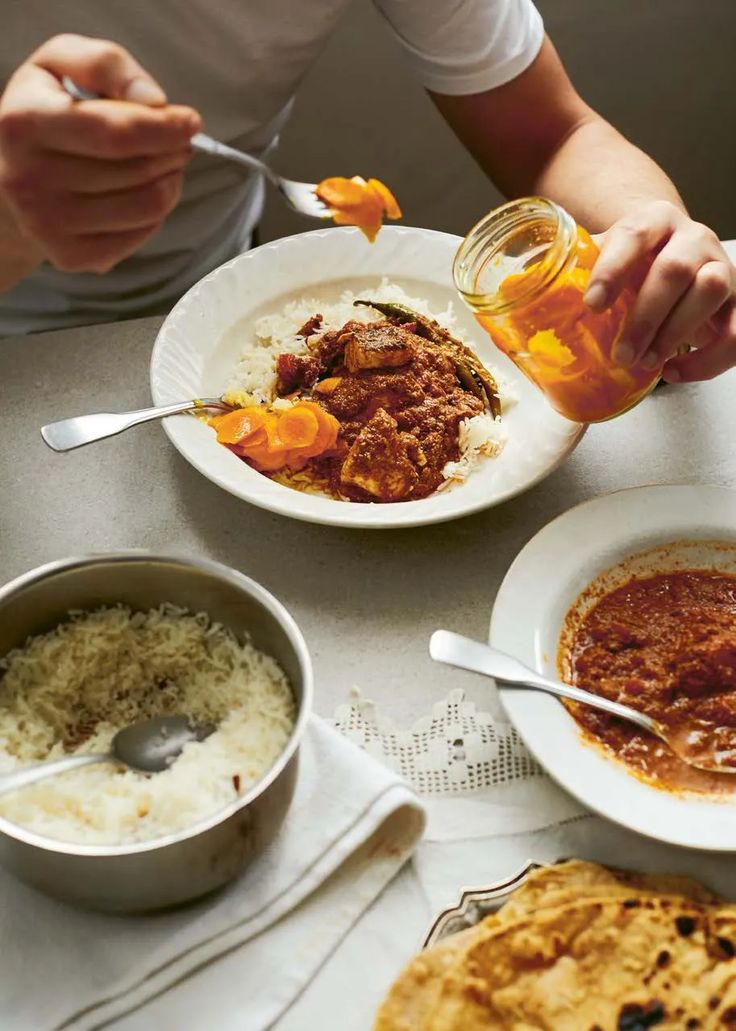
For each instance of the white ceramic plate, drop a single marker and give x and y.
(197, 349)
(530, 609)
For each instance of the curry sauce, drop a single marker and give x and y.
(665, 645)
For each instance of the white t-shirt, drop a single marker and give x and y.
(239, 62)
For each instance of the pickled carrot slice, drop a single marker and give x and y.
(547, 347)
(390, 204)
(298, 427)
(240, 425)
(355, 202)
(272, 440)
(339, 192)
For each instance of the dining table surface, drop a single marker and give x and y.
(366, 600)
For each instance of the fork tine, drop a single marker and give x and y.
(302, 197)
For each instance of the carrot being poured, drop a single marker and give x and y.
(273, 439)
(561, 344)
(357, 202)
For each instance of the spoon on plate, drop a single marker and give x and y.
(148, 746)
(68, 434)
(456, 650)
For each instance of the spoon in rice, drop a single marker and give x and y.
(68, 434)
(464, 653)
(149, 746)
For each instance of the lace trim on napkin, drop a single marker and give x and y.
(455, 749)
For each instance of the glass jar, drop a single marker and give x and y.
(523, 270)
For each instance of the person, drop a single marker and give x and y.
(104, 217)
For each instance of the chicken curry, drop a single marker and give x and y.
(376, 413)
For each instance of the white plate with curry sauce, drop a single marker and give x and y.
(197, 350)
(632, 595)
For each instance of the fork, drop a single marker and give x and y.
(68, 434)
(299, 196)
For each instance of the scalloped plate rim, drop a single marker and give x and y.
(497, 892)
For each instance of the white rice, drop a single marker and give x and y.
(111, 667)
(253, 380)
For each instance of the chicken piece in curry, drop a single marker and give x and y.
(397, 389)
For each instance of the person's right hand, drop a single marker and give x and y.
(89, 182)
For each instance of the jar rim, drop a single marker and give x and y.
(489, 235)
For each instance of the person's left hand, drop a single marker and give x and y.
(687, 292)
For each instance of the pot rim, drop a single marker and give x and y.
(248, 586)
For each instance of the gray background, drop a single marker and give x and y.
(661, 70)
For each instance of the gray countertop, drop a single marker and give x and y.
(366, 601)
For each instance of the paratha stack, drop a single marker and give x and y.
(579, 947)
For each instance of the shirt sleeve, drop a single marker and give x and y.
(459, 47)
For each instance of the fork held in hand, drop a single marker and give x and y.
(300, 196)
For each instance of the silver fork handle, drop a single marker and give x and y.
(68, 434)
(23, 778)
(456, 650)
(207, 145)
(200, 141)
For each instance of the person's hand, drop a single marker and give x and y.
(89, 182)
(686, 292)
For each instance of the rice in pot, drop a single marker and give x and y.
(68, 691)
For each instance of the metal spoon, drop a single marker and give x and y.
(300, 196)
(68, 434)
(456, 650)
(149, 746)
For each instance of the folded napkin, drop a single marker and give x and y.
(352, 825)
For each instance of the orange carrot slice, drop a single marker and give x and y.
(271, 440)
(265, 437)
(339, 192)
(369, 224)
(328, 431)
(389, 202)
(298, 427)
(265, 460)
(355, 202)
(240, 425)
(587, 250)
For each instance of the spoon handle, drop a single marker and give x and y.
(23, 778)
(84, 429)
(456, 650)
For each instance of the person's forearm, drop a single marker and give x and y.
(535, 134)
(19, 256)
(598, 176)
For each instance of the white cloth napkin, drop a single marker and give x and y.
(350, 828)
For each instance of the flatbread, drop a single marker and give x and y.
(552, 886)
(594, 964)
(412, 994)
(576, 938)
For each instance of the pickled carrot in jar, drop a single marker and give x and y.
(537, 315)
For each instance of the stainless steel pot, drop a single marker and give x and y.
(185, 865)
